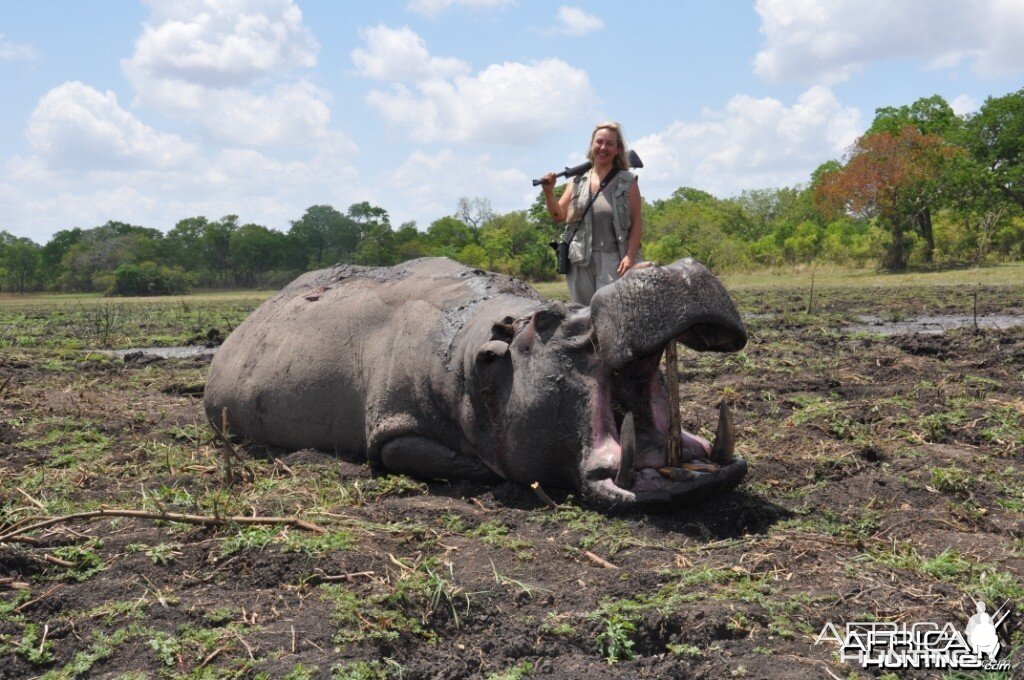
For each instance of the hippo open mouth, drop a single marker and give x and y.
(629, 461)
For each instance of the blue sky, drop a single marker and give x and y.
(152, 112)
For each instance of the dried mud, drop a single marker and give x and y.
(886, 483)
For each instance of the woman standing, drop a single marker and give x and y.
(601, 210)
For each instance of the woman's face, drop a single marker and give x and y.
(605, 146)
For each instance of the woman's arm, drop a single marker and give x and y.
(558, 208)
(636, 229)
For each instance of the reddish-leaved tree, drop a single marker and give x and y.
(894, 178)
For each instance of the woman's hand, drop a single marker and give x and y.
(547, 182)
(626, 264)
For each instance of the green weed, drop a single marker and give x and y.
(520, 671)
(951, 479)
(614, 637)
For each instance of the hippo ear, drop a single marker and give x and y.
(547, 319)
(503, 331)
(489, 351)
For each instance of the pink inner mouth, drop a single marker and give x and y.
(651, 410)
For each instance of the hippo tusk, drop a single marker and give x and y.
(725, 436)
(624, 477)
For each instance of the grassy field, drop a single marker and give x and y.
(886, 484)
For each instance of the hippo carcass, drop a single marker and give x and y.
(440, 371)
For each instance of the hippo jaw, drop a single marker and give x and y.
(626, 459)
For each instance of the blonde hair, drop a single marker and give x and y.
(622, 158)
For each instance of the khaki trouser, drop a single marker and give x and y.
(584, 281)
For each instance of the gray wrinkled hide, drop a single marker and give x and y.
(440, 371)
(375, 357)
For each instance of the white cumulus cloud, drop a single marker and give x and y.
(574, 21)
(75, 125)
(232, 68)
(964, 104)
(509, 103)
(827, 40)
(222, 43)
(399, 54)
(14, 51)
(752, 143)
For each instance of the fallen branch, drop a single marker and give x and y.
(600, 561)
(165, 516)
(320, 575)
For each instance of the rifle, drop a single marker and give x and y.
(634, 162)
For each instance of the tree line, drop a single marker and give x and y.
(921, 186)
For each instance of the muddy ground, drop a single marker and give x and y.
(886, 484)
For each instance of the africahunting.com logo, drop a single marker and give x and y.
(892, 645)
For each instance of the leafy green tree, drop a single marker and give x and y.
(185, 242)
(411, 243)
(325, 236)
(55, 250)
(20, 259)
(216, 249)
(995, 137)
(89, 263)
(447, 236)
(377, 247)
(930, 115)
(252, 250)
(693, 223)
(149, 278)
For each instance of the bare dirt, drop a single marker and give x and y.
(886, 483)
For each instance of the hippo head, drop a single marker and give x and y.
(573, 397)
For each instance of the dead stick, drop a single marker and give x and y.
(599, 560)
(672, 385)
(343, 577)
(31, 602)
(541, 494)
(58, 561)
(166, 516)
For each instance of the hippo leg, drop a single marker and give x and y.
(427, 459)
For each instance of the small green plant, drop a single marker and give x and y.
(162, 553)
(520, 671)
(691, 651)
(359, 670)
(951, 479)
(85, 558)
(167, 647)
(615, 638)
(557, 624)
(35, 647)
(302, 672)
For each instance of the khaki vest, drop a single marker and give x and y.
(581, 243)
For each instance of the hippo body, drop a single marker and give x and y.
(440, 371)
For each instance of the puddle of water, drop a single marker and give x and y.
(162, 352)
(932, 325)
